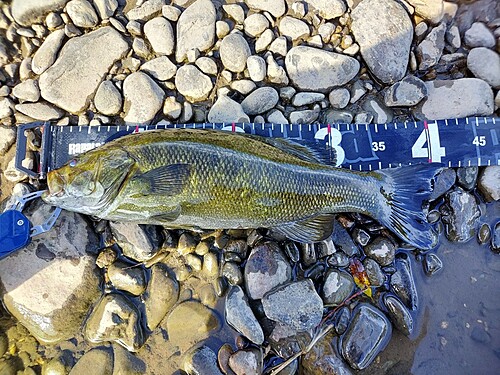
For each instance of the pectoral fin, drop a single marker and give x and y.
(168, 179)
(168, 216)
(310, 230)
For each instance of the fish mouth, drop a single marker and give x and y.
(55, 184)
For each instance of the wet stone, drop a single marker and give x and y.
(247, 361)
(223, 355)
(460, 215)
(484, 234)
(433, 216)
(241, 317)
(323, 359)
(432, 264)
(341, 319)
(138, 242)
(126, 363)
(97, 361)
(358, 348)
(187, 244)
(443, 182)
(467, 177)
(343, 240)
(339, 259)
(489, 183)
(338, 286)
(403, 283)
(399, 315)
(495, 238)
(232, 272)
(374, 273)
(292, 251)
(201, 360)
(127, 277)
(308, 254)
(381, 250)
(361, 236)
(295, 305)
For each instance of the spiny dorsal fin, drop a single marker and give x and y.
(314, 229)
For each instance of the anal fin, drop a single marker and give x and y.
(313, 229)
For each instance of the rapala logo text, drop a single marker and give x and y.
(78, 148)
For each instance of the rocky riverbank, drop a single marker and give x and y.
(111, 298)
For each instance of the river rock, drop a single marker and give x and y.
(406, 93)
(432, 264)
(479, 36)
(266, 268)
(70, 83)
(295, 305)
(381, 250)
(147, 10)
(276, 7)
(82, 13)
(457, 98)
(293, 28)
(241, 317)
(143, 98)
(339, 98)
(98, 361)
(460, 215)
(384, 32)
(195, 28)
(260, 101)
(495, 238)
(7, 139)
(359, 348)
(106, 8)
(323, 359)
(161, 35)
(403, 283)
(128, 278)
(226, 110)
(189, 323)
(161, 295)
(58, 275)
(276, 117)
(338, 286)
(27, 91)
(108, 99)
(443, 182)
(160, 68)
(138, 242)
(373, 271)
(256, 68)
(431, 10)
(467, 177)
(305, 98)
(26, 12)
(234, 52)
(201, 360)
(115, 319)
(429, 51)
(485, 64)
(399, 314)
(255, 24)
(275, 72)
(46, 55)
(40, 111)
(489, 183)
(327, 9)
(248, 361)
(125, 363)
(192, 83)
(314, 69)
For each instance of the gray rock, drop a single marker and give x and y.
(141, 48)
(403, 283)
(234, 52)
(256, 68)
(232, 272)
(265, 269)
(338, 286)
(495, 238)
(485, 64)
(172, 108)
(305, 98)
(201, 360)
(432, 264)
(399, 314)
(275, 72)
(226, 110)
(147, 10)
(106, 8)
(453, 37)
(429, 51)
(160, 34)
(12, 174)
(384, 32)
(221, 29)
(467, 177)
(115, 319)
(58, 276)
(127, 278)
(26, 12)
(314, 69)
(339, 98)
(192, 83)
(479, 36)
(160, 68)
(207, 65)
(264, 40)
(489, 183)
(138, 242)
(327, 9)
(235, 11)
(171, 13)
(381, 114)
(6, 107)
(98, 361)
(460, 215)
(306, 116)
(46, 55)
(243, 86)
(358, 348)
(143, 98)
(484, 234)
(195, 28)
(277, 117)
(7, 139)
(241, 317)
(248, 361)
(161, 295)
(40, 111)
(82, 13)
(255, 24)
(296, 305)
(276, 7)
(108, 99)
(457, 98)
(70, 83)
(293, 28)
(374, 273)
(381, 250)
(431, 10)
(126, 363)
(405, 93)
(27, 91)
(260, 101)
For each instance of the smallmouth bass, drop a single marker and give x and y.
(183, 178)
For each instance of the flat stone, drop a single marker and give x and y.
(125, 362)
(127, 278)
(207, 65)
(399, 314)
(467, 177)
(46, 55)
(276, 117)
(306, 116)
(201, 360)
(256, 68)
(457, 98)
(7, 139)
(489, 183)
(429, 51)
(296, 305)
(255, 24)
(305, 98)
(328, 9)
(147, 10)
(70, 83)
(160, 34)
(359, 348)
(82, 13)
(27, 91)
(192, 83)
(138, 242)
(260, 101)
(405, 93)
(171, 13)
(276, 7)
(108, 99)
(195, 28)
(241, 317)
(381, 114)
(234, 52)
(58, 275)
(226, 110)
(384, 32)
(338, 286)
(248, 361)
(160, 68)
(452, 36)
(314, 69)
(106, 8)
(293, 28)
(373, 271)
(243, 86)
(26, 12)
(460, 215)
(431, 10)
(339, 98)
(98, 361)
(485, 64)
(40, 111)
(479, 36)
(6, 107)
(143, 98)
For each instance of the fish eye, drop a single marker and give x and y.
(72, 163)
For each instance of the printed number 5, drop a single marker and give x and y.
(378, 146)
(334, 142)
(434, 152)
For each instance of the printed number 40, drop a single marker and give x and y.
(434, 152)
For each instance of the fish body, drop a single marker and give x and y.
(209, 179)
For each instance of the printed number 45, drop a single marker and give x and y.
(434, 152)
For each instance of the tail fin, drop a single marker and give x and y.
(404, 190)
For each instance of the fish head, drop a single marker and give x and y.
(88, 182)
